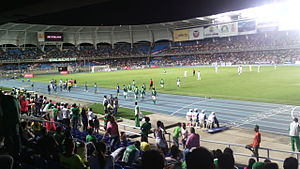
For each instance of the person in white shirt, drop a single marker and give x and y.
(185, 73)
(199, 75)
(212, 120)
(250, 68)
(216, 68)
(294, 134)
(258, 68)
(194, 117)
(201, 119)
(66, 115)
(91, 116)
(189, 116)
(184, 134)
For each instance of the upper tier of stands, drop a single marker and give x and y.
(255, 42)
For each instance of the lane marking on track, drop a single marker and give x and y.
(189, 106)
(292, 112)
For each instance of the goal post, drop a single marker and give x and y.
(103, 68)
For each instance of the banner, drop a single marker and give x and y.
(28, 75)
(64, 72)
(41, 36)
(247, 27)
(153, 66)
(62, 59)
(211, 31)
(267, 26)
(181, 35)
(230, 29)
(196, 33)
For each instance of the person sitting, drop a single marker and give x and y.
(199, 158)
(90, 137)
(212, 120)
(152, 159)
(99, 159)
(132, 153)
(69, 159)
(173, 162)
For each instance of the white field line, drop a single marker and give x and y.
(187, 106)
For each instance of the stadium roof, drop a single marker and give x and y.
(118, 12)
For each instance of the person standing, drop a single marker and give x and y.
(95, 87)
(75, 116)
(154, 94)
(294, 134)
(194, 72)
(151, 84)
(118, 89)
(85, 87)
(49, 89)
(137, 115)
(184, 134)
(176, 134)
(198, 75)
(112, 130)
(178, 82)
(193, 139)
(162, 83)
(145, 130)
(125, 90)
(255, 143)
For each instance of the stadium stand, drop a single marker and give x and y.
(49, 139)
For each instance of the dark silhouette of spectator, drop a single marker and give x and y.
(290, 163)
(199, 158)
(152, 159)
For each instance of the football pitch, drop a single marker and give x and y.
(269, 85)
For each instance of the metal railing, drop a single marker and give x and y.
(268, 151)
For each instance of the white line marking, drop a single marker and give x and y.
(188, 106)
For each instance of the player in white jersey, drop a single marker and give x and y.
(275, 67)
(216, 68)
(188, 117)
(194, 117)
(240, 70)
(258, 68)
(178, 82)
(185, 73)
(250, 68)
(199, 75)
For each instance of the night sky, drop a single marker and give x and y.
(134, 12)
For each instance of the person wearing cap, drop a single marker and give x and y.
(201, 119)
(294, 134)
(212, 120)
(255, 143)
(189, 117)
(194, 117)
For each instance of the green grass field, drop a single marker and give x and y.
(276, 86)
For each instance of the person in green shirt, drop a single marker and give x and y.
(137, 115)
(136, 93)
(75, 116)
(59, 135)
(125, 90)
(69, 159)
(154, 95)
(145, 130)
(132, 153)
(142, 93)
(162, 83)
(90, 137)
(176, 134)
(54, 112)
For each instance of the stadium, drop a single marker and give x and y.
(119, 90)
